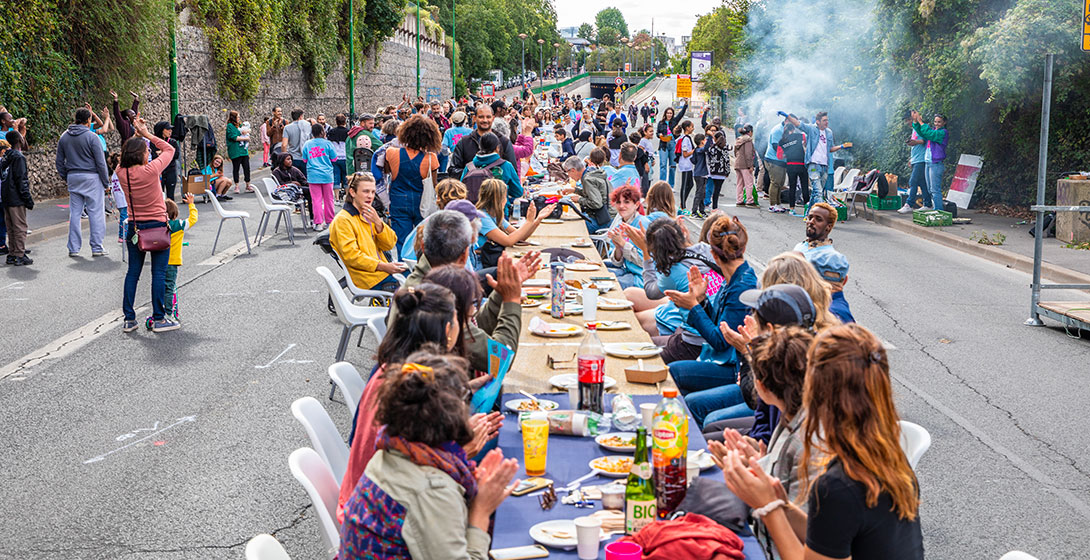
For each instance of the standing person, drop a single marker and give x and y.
(647, 143)
(140, 181)
(237, 151)
(120, 203)
(275, 130)
(718, 159)
(793, 146)
(264, 133)
(164, 130)
(124, 119)
(15, 194)
(684, 161)
(453, 135)
(338, 136)
(644, 111)
(320, 154)
(774, 167)
(407, 167)
(917, 181)
(82, 164)
(700, 174)
(469, 145)
(360, 237)
(295, 135)
(177, 230)
(667, 159)
(744, 156)
(626, 172)
(864, 503)
(936, 136)
(819, 153)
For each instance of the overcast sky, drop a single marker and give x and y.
(672, 18)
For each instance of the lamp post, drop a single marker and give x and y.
(522, 78)
(556, 54)
(418, 48)
(624, 54)
(453, 51)
(541, 62)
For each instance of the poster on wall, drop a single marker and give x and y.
(701, 63)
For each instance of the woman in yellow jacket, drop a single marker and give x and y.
(360, 236)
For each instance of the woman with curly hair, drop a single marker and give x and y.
(625, 259)
(407, 166)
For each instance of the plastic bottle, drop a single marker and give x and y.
(669, 455)
(625, 416)
(639, 494)
(592, 372)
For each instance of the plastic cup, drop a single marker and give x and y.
(624, 551)
(647, 412)
(692, 470)
(588, 534)
(573, 396)
(590, 304)
(535, 445)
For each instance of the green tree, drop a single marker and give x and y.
(611, 18)
(607, 36)
(586, 31)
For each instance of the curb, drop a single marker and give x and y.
(1006, 258)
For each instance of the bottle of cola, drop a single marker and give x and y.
(592, 372)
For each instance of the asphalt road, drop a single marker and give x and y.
(175, 445)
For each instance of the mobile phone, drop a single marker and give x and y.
(529, 485)
(519, 552)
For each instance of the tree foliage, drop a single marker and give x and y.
(611, 18)
(586, 31)
(488, 34)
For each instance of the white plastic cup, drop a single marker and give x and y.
(573, 396)
(647, 412)
(590, 304)
(588, 534)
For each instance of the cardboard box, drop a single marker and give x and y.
(650, 375)
(196, 184)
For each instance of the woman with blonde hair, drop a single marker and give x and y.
(496, 232)
(864, 503)
(792, 268)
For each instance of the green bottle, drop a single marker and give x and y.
(639, 494)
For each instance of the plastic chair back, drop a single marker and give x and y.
(340, 301)
(308, 468)
(261, 202)
(270, 186)
(215, 202)
(265, 547)
(323, 434)
(377, 325)
(914, 441)
(1017, 555)
(348, 379)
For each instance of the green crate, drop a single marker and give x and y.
(932, 218)
(875, 202)
(841, 213)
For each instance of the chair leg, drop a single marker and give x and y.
(287, 224)
(276, 228)
(342, 346)
(218, 231)
(245, 235)
(360, 343)
(257, 236)
(332, 389)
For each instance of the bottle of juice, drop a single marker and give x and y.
(639, 494)
(670, 434)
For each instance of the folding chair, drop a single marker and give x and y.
(225, 215)
(265, 547)
(851, 197)
(323, 434)
(308, 468)
(914, 441)
(348, 378)
(267, 210)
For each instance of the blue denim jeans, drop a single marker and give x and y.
(818, 175)
(159, 261)
(695, 375)
(122, 217)
(625, 279)
(917, 185)
(340, 172)
(719, 403)
(667, 165)
(934, 183)
(3, 231)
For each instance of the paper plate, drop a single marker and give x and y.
(613, 304)
(581, 267)
(632, 349)
(597, 465)
(604, 441)
(559, 330)
(705, 461)
(513, 404)
(537, 283)
(609, 325)
(535, 292)
(569, 308)
(558, 533)
(552, 221)
(566, 380)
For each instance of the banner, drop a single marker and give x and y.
(701, 62)
(684, 86)
(964, 183)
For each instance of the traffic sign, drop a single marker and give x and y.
(619, 80)
(1086, 27)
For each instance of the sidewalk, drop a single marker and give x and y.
(1060, 265)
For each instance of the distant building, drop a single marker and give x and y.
(578, 43)
(669, 43)
(568, 32)
(684, 42)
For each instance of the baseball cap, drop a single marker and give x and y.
(458, 117)
(464, 207)
(782, 304)
(831, 265)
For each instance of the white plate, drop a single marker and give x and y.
(613, 304)
(552, 221)
(569, 308)
(567, 380)
(513, 404)
(541, 533)
(611, 325)
(611, 474)
(705, 461)
(632, 349)
(581, 267)
(537, 283)
(559, 330)
(617, 449)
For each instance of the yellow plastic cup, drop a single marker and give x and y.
(535, 446)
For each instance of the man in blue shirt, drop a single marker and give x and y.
(775, 167)
(626, 172)
(832, 266)
(917, 160)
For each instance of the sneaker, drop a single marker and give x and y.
(98, 253)
(795, 213)
(164, 325)
(10, 259)
(121, 240)
(73, 254)
(23, 261)
(237, 191)
(130, 326)
(906, 209)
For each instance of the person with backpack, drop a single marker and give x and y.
(718, 158)
(684, 148)
(468, 147)
(488, 164)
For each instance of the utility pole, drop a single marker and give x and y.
(418, 48)
(541, 63)
(652, 44)
(351, 61)
(522, 78)
(173, 64)
(453, 51)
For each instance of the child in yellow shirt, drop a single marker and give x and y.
(177, 230)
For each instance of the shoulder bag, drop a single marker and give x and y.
(154, 238)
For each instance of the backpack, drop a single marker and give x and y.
(475, 176)
(677, 147)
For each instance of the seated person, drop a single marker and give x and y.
(625, 259)
(564, 147)
(359, 236)
(864, 502)
(660, 202)
(626, 172)
(293, 183)
(216, 181)
(589, 188)
(446, 191)
(833, 266)
(421, 496)
(496, 233)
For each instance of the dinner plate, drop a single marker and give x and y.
(559, 330)
(537, 282)
(632, 349)
(611, 458)
(567, 380)
(627, 436)
(528, 303)
(613, 304)
(569, 308)
(552, 221)
(557, 533)
(609, 325)
(581, 267)
(513, 404)
(535, 292)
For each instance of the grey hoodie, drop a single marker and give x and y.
(79, 151)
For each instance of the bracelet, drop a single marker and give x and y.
(768, 508)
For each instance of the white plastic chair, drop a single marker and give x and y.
(265, 547)
(323, 434)
(267, 210)
(351, 315)
(377, 326)
(915, 441)
(844, 180)
(348, 379)
(360, 293)
(225, 215)
(852, 197)
(308, 468)
(1017, 555)
(270, 187)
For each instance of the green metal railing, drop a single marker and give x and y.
(632, 90)
(565, 83)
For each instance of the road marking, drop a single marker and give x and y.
(180, 421)
(248, 294)
(229, 254)
(64, 345)
(277, 359)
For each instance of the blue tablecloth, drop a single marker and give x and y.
(567, 461)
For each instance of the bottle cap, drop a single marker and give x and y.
(669, 393)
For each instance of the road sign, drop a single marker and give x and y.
(619, 80)
(628, 67)
(684, 86)
(1086, 27)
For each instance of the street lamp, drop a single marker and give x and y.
(540, 62)
(522, 78)
(556, 53)
(624, 54)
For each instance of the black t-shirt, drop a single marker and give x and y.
(794, 147)
(841, 525)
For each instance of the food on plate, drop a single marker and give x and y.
(613, 465)
(574, 284)
(529, 405)
(619, 441)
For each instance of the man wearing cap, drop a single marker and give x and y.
(820, 222)
(454, 134)
(832, 266)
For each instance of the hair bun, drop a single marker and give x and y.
(407, 300)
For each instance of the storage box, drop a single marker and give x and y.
(875, 202)
(651, 374)
(1072, 227)
(932, 218)
(196, 184)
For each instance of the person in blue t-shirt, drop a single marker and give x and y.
(491, 202)
(832, 266)
(626, 172)
(319, 155)
(917, 160)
